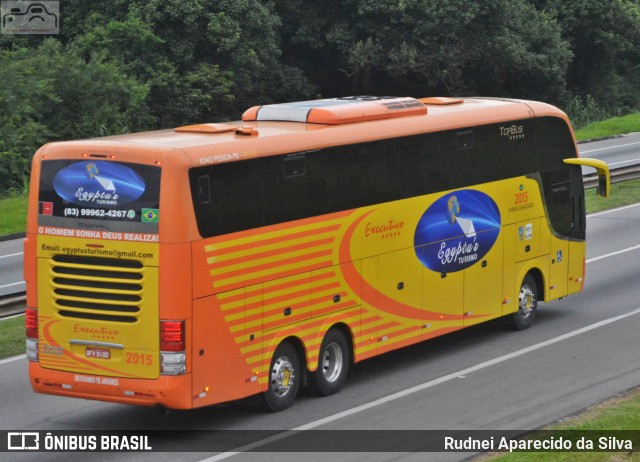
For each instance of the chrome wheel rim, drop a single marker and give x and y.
(527, 302)
(332, 360)
(282, 376)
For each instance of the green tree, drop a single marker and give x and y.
(236, 40)
(50, 93)
(421, 47)
(174, 97)
(604, 38)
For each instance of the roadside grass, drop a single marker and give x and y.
(618, 413)
(625, 193)
(12, 337)
(13, 215)
(610, 127)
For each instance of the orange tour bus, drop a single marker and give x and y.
(203, 264)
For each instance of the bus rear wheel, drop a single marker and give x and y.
(527, 304)
(284, 378)
(333, 364)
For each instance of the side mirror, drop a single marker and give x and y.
(604, 178)
(602, 185)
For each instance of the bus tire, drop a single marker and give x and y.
(333, 364)
(527, 304)
(284, 378)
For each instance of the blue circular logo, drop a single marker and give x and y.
(98, 184)
(457, 231)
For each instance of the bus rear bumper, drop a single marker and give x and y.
(173, 392)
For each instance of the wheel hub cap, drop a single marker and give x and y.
(332, 362)
(282, 376)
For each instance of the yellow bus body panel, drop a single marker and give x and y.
(73, 337)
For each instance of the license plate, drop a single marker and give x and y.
(99, 353)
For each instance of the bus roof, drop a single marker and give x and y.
(282, 128)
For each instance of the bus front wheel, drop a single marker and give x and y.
(527, 304)
(333, 364)
(284, 378)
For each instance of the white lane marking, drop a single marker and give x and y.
(618, 252)
(421, 387)
(11, 359)
(618, 209)
(610, 147)
(12, 284)
(624, 162)
(12, 255)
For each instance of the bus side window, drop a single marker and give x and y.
(204, 189)
(292, 189)
(413, 167)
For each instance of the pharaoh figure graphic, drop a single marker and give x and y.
(453, 216)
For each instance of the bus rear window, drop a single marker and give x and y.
(99, 195)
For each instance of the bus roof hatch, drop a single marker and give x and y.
(337, 111)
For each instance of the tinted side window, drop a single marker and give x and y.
(564, 197)
(292, 189)
(555, 144)
(413, 167)
(253, 193)
(234, 201)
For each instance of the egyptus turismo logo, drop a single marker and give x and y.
(98, 184)
(457, 231)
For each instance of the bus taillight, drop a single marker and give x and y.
(31, 327)
(172, 336)
(172, 348)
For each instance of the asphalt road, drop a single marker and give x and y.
(582, 349)
(11, 258)
(617, 152)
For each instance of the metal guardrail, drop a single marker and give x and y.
(618, 175)
(12, 304)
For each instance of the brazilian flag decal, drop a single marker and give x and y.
(150, 215)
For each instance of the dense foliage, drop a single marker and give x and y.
(132, 65)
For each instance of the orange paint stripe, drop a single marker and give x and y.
(332, 308)
(391, 345)
(369, 320)
(282, 274)
(282, 226)
(265, 302)
(272, 312)
(304, 279)
(325, 288)
(271, 241)
(271, 253)
(420, 338)
(398, 333)
(312, 323)
(266, 266)
(283, 301)
(261, 291)
(374, 330)
(71, 367)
